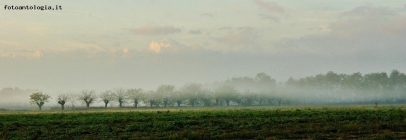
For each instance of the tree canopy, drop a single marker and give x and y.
(39, 99)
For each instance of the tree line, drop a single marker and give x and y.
(378, 87)
(329, 88)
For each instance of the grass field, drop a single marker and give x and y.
(312, 122)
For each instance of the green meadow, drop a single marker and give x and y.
(311, 122)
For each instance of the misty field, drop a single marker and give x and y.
(209, 123)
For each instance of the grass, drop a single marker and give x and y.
(310, 122)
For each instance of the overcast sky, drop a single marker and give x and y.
(102, 44)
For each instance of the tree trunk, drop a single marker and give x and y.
(249, 102)
(135, 103)
(87, 104)
(105, 103)
(217, 102)
(178, 103)
(206, 102)
(228, 102)
(40, 105)
(151, 103)
(120, 103)
(62, 103)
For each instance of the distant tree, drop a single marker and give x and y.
(227, 93)
(106, 97)
(39, 99)
(178, 97)
(193, 92)
(291, 82)
(376, 84)
(353, 82)
(120, 95)
(206, 97)
(242, 83)
(88, 96)
(396, 86)
(136, 95)
(238, 98)
(165, 92)
(62, 99)
(394, 80)
(248, 98)
(278, 101)
(72, 99)
(265, 81)
(152, 98)
(217, 96)
(262, 97)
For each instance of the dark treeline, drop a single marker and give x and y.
(261, 90)
(356, 88)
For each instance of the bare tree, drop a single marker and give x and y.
(72, 99)
(178, 96)
(39, 99)
(62, 99)
(106, 97)
(136, 95)
(88, 96)
(152, 98)
(120, 95)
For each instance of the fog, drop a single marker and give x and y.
(108, 45)
(260, 90)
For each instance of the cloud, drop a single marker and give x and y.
(322, 28)
(239, 38)
(21, 53)
(271, 7)
(126, 50)
(157, 46)
(195, 32)
(37, 54)
(365, 36)
(92, 49)
(364, 11)
(156, 30)
(269, 17)
(126, 53)
(7, 55)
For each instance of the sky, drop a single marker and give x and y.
(103, 44)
